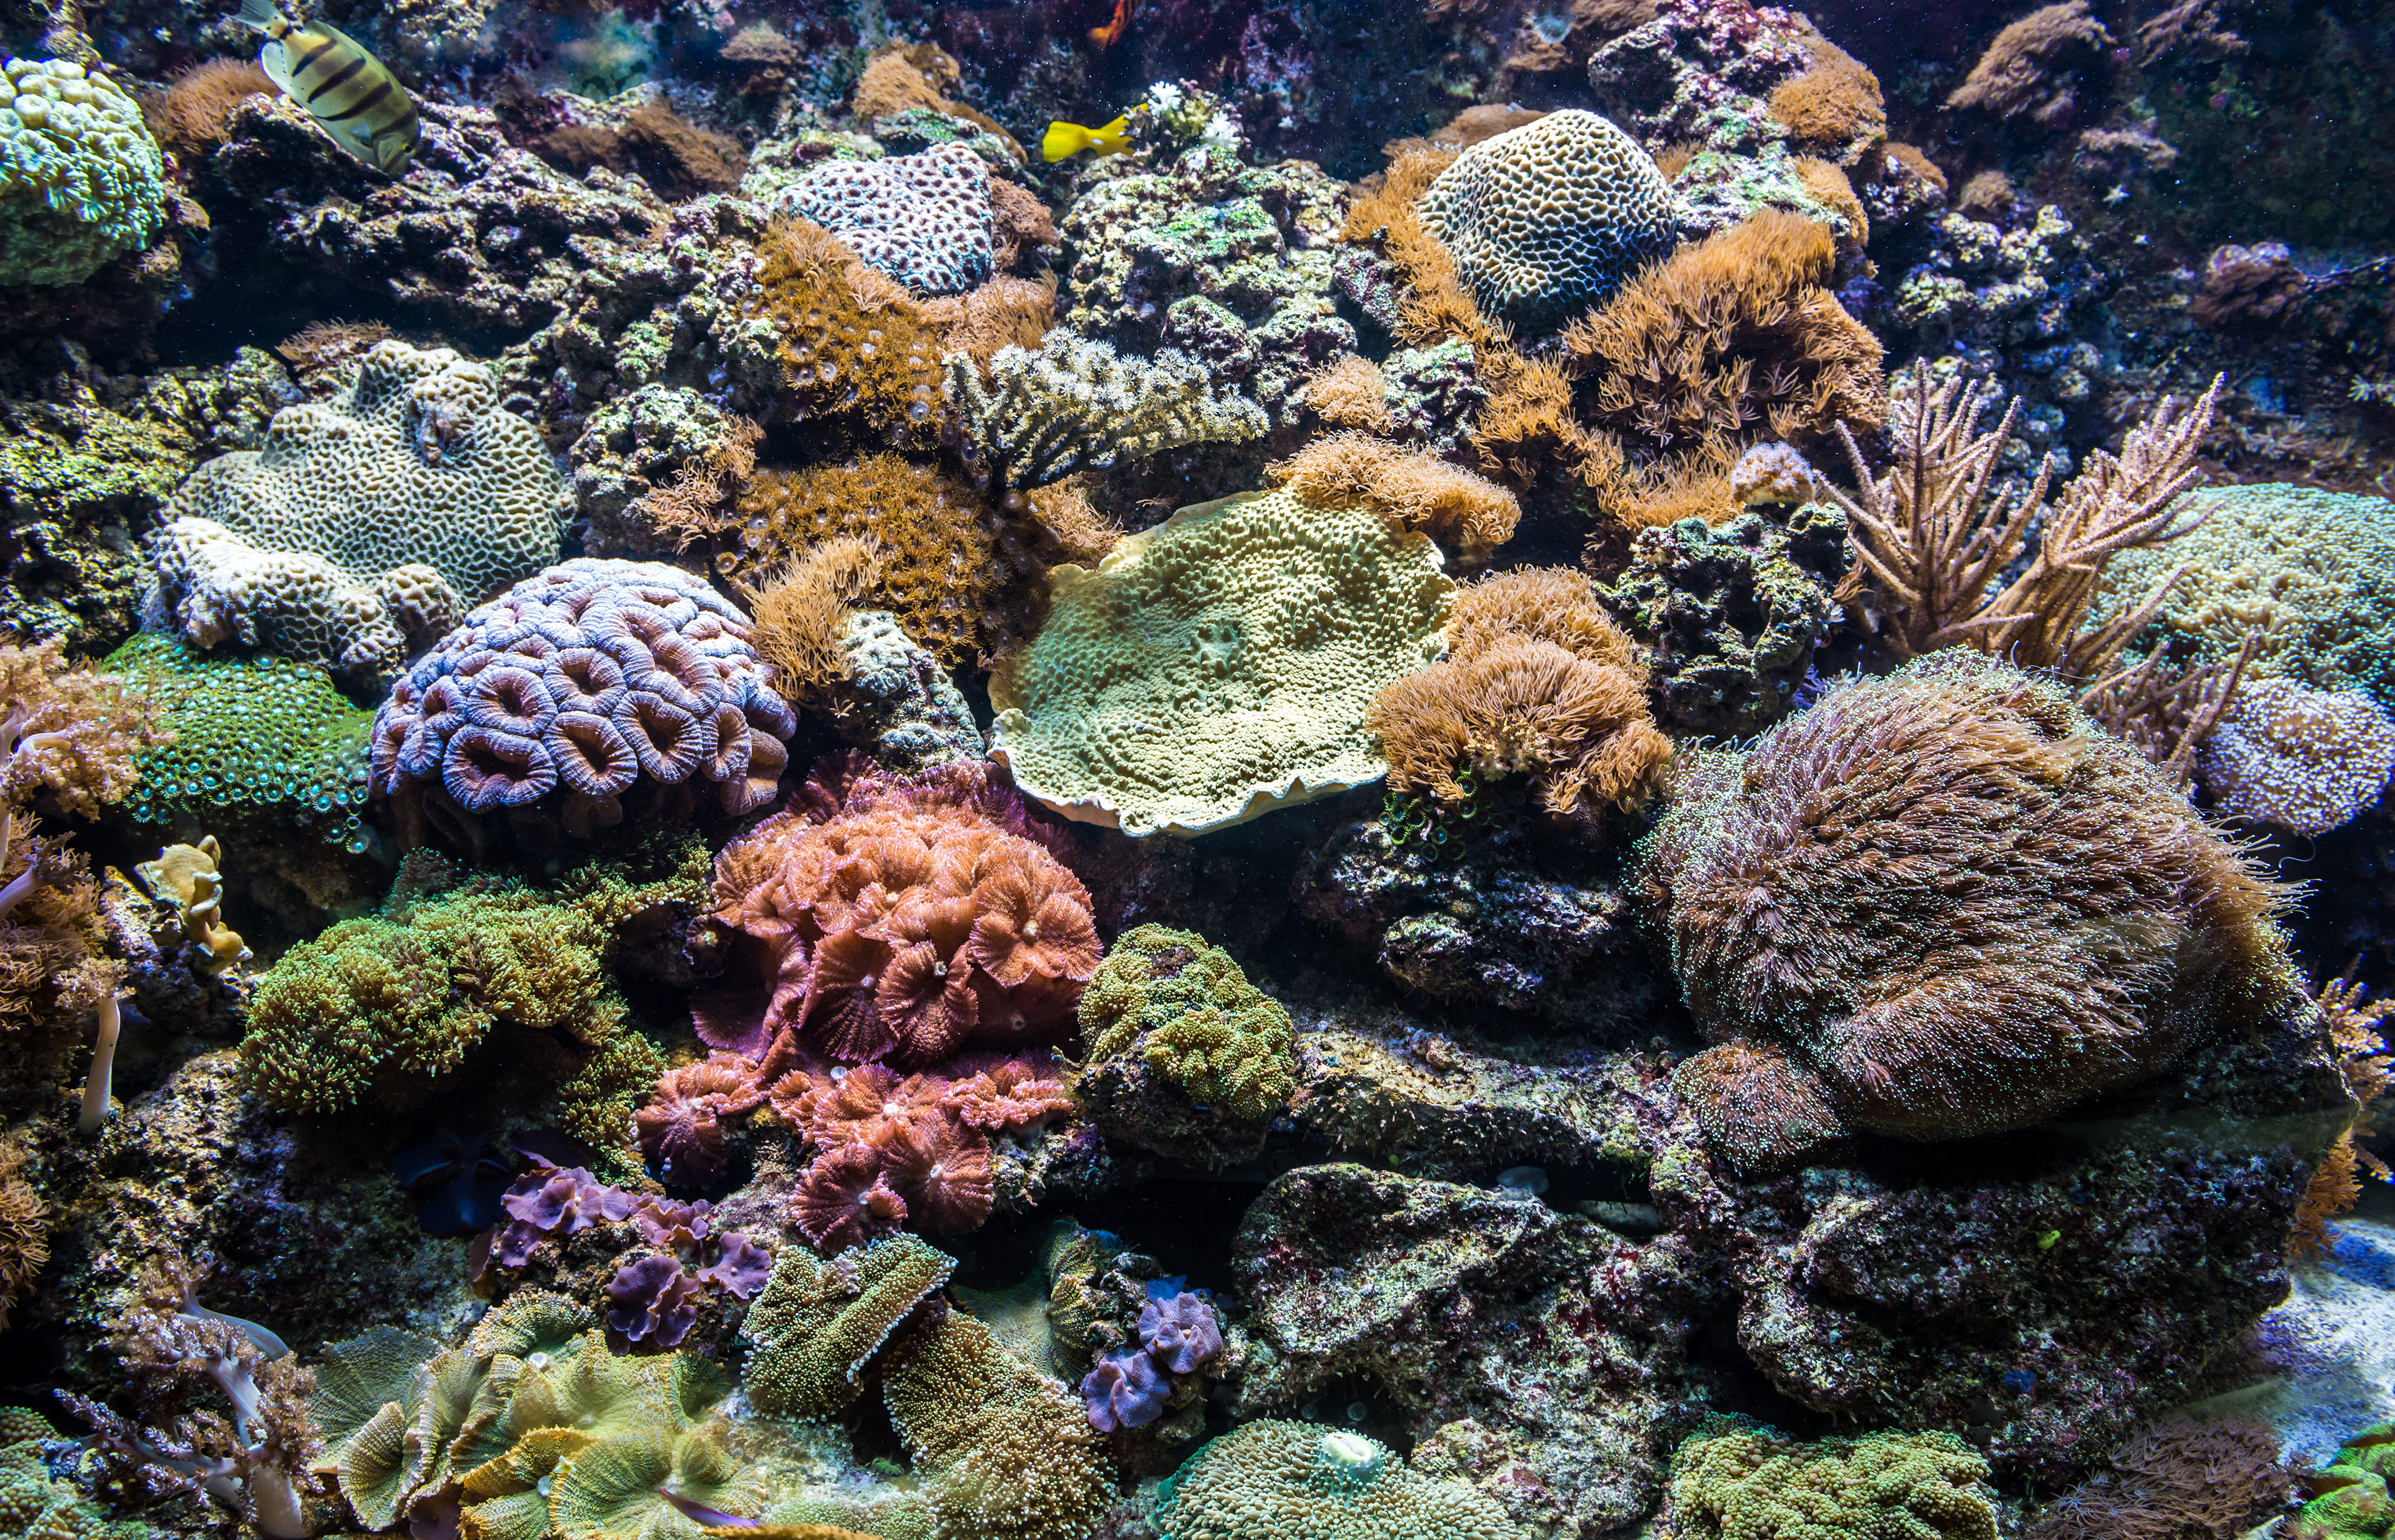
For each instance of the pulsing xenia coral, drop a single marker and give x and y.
(1941, 903)
(581, 681)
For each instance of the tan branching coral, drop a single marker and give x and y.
(2356, 1028)
(1077, 404)
(1929, 541)
(1538, 681)
(1414, 491)
(1733, 337)
(2166, 710)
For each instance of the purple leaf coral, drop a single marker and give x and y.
(1124, 1390)
(554, 1200)
(653, 1300)
(740, 1268)
(1181, 1332)
(582, 680)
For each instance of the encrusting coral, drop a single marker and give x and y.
(923, 219)
(818, 1325)
(1075, 404)
(851, 341)
(1276, 1477)
(1218, 665)
(1537, 682)
(1900, 1486)
(573, 687)
(2087, 923)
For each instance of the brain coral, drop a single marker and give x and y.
(1294, 1480)
(1545, 219)
(261, 736)
(81, 179)
(1942, 903)
(925, 219)
(2304, 759)
(296, 604)
(1218, 665)
(905, 919)
(586, 677)
(417, 463)
(2313, 572)
(1888, 1486)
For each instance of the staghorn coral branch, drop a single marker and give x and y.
(1929, 541)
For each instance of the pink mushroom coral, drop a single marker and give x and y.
(682, 1128)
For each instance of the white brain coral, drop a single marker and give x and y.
(81, 179)
(1546, 219)
(216, 587)
(925, 219)
(417, 463)
(1218, 665)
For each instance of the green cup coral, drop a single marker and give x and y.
(1295, 1480)
(255, 736)
(1172, 1024)
(1888, 1486)
(81, 180)
(2358, 1507)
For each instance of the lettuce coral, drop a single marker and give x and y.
(381, 1004)
(1218, 665)
(1941, 903)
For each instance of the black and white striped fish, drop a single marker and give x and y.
(344, 88)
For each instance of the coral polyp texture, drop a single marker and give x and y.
(1306, 1480)
(1075, 404)
(1544, 221)
(81, 179)
(220, 587)
(1916, 1486)
(2303, 759)
(923, 220)
(1218, 665)
(580, 683)
(1941, 903)
(415, 463)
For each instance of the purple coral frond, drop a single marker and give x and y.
(1182, 1332)
(653, 1300)
(1124, 1390)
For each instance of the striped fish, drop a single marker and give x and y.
(344, 88)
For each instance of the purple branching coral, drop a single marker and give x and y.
(254, 1462)
(580, 681)
(1181, 1332)
(1124, 1390)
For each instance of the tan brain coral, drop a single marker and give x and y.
(1218, 665)
(417, 462)
(219, 586)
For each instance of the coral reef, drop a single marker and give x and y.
(1914, 1484)
(1412, 490)
(1544, 221)
(1281, 1478)
(1218, 665)
(1078, 405)
(923, 219)
(1184, 1056)
(2304, 759)
(216, 587)
(575, 686)
(419, 464)
(2106, 944)
(81, 181)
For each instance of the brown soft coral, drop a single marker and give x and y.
(1726, 340)
(853, 342)
(1411, 489)
(800, 615)
(24, 1231)
(69, 731)
(1537, 682)
(193, 115)
(2029, 72)
(1835, 105)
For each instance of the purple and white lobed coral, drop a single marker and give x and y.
(554, 1200)
(582, 680)
(1124, 1390)
(1180, 1332)
(652, 1299)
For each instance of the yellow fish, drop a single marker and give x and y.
(1070, 139)
(344, 88)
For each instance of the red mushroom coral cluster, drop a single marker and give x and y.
(909, 949)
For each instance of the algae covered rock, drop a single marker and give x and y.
(1218, 665)
(81, 179)
(1187, 1058)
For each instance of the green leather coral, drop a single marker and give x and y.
(818, 1325)
(1885, 1486)
(81, 179)
(2358, 1507)
(403, 996)
(1189, 1012)
(1218, 665)
(260, 736)
(2313, 572)
(620, 1488)
(1295, 1480)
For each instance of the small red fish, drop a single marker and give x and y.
(1112, 33)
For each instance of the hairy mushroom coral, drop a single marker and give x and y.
(1006, 1095)
(843, 1202)
(942, 1170)
(681, 1129)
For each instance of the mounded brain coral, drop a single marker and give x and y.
(1293, 1480)
(1218, 665)
(1943, 904)
(418, 463)
(925, 219)
(81, 179)
(218, 585)
(1885, 1486)
(1544, 221)
(582, 680)
(2313, 572)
